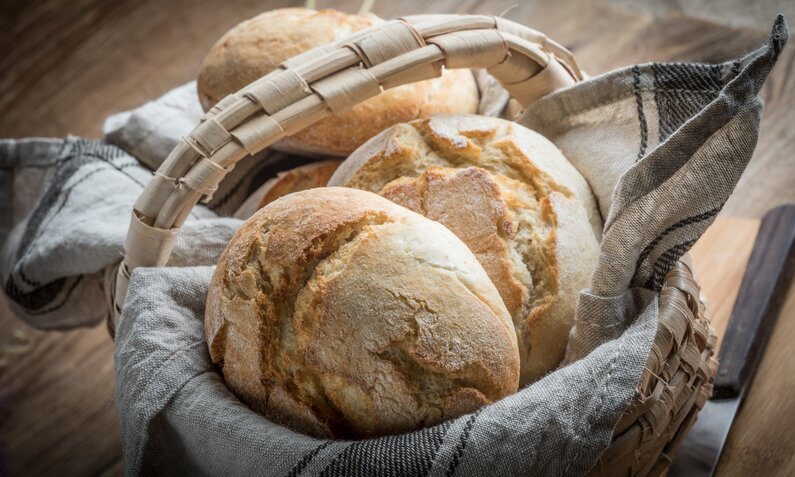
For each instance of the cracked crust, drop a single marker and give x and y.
(257, 46)
(511, 196)
(340, 314)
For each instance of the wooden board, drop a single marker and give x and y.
(761, 440)
(720, 257)
(57, 409)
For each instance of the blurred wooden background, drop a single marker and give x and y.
(66, 65)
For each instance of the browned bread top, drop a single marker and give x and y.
(341, 314)
(257, 46)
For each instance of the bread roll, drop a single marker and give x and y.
(304, 177)
(283, 174)
(512, 197)
(259, 45)
(340, 314)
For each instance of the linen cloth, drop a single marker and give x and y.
(662, 146)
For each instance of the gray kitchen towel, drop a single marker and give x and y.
(66, 207)
(662, 146)
(55, 259)
(152, 130)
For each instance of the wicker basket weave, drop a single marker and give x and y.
(333, 78)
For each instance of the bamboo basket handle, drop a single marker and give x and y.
(326, 80)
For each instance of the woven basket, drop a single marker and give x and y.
(333, 78)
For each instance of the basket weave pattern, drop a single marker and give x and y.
(333, 78)
(676, 383)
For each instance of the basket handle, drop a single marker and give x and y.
(325, 80)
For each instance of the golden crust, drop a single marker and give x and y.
(340, 314)
(309, 176)
(259, 45)
(512, 197)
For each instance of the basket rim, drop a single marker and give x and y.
(331, 78)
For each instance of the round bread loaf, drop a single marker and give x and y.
(512, 197)
(258, 46)
(341, 314)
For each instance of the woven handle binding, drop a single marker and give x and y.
(326, 80)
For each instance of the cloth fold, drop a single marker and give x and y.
(662, 146)
(54, 260)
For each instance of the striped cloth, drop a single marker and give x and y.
(662, 146)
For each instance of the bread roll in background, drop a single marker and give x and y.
(257, 46)
(305, 177)
(341, 314)
(511, 196)
(281, 174)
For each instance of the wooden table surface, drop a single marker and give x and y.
(66, 66)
